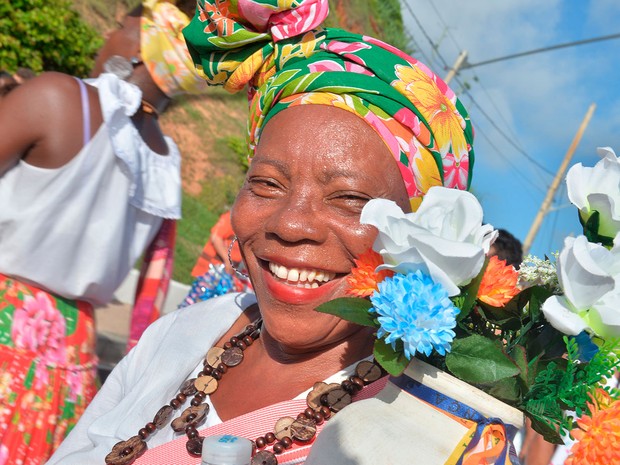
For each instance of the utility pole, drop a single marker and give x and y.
(556, 182)
(457, 65)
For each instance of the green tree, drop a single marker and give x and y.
(45, 36)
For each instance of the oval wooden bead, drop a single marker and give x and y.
(126, 452)
(282, 427)
(163, 415)
(260, 442)
(214, 356)
(270, 438)
(278, 448)
(206, 384)
(264, 457)
(368, 371)
(188, 388)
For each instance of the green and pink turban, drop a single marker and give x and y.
(279, 50)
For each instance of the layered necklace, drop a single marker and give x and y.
(322, 401)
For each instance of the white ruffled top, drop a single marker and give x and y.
(78, 230)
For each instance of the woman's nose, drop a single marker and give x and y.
(298, 220)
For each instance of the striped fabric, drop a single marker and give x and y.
(250, 425)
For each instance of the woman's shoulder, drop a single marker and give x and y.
(218, 311)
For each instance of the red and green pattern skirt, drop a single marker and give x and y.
(47, 370)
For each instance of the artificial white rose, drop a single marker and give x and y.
(589, 276)
(445, 238)
(597, 189)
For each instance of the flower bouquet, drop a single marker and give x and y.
(541, 340)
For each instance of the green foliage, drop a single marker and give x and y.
(45, 36)
(567, 386)
(192, 234)
(393, 361)
(351, 309)
(479, 360)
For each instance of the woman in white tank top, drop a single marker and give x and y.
(87, 179)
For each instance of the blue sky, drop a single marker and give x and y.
(527, 107)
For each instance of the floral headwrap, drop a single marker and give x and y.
(278, 48)
(163, 49)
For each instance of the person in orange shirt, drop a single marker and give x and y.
(219, 268)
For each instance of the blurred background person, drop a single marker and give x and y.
(83, 194)
(219, 268)
(507, 247)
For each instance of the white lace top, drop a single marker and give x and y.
(78, 230)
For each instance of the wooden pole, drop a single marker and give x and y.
(544, 208)
(457, 64)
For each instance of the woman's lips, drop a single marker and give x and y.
(301, 277)
(298, 285)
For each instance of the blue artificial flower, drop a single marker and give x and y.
(416, 310)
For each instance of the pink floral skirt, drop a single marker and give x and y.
(47, 370)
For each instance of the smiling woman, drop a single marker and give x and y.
(336, 120)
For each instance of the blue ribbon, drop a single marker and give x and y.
(459, 409)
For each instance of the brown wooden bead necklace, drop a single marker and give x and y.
(323, 400)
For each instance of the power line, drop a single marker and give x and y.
(540, 50)
(510, 141)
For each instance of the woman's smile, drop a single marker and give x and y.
(297, 285)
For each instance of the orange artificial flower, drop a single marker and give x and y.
(598, 435)
(363, 279)
(499, 283)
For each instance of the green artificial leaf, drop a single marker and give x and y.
(470, 293)
(392, 361)
(545, 429)
(354, 309)
(506, 389)
(519, 356)
(478, 360)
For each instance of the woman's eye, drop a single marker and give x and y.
(353, 201)
(264, 186)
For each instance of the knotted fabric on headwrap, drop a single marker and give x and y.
(278, 49)
(164, 51)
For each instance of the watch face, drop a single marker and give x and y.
(119, 66)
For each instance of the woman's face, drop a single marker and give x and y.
(297, 216)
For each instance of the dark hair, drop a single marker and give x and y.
(507, 247)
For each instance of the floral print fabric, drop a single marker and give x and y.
(47, 370)
(279, 49)
(163, 49)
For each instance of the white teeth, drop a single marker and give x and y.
(293, 275)
(281, 272)
(310, 278)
